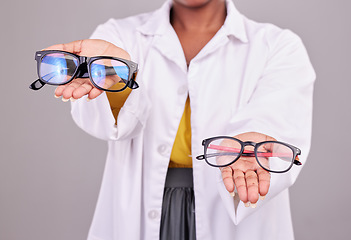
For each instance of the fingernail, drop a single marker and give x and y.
(247, 204)
(253, 205)
(57, 96)
(65, 99)
(262, 197)
(72, 99)
(232, 194)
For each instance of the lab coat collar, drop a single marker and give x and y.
(234, 23)
(159, 22)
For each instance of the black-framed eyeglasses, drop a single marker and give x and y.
(106, 73)
(273, 156)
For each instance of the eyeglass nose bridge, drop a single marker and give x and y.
(82, 71)
(249, 143)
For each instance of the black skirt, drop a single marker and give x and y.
(178, 207)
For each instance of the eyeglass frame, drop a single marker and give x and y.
(295, 160)
(83, 70)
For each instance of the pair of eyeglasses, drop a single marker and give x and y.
(106, 73)
(273, 156)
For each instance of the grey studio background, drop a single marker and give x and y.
(50, 170)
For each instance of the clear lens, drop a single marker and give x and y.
(222, 151)
(57, 68)
(275, 156)
(109, 74)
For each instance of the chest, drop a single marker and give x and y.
(219, 80)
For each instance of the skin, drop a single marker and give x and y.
(195, 22)
(250, 180)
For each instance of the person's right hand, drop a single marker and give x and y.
(246, 175)
(79, 87)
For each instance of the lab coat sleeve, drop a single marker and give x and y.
(96, 118)
(280, 106)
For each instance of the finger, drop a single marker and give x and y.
(59, 90)
(227, 176)
(252, 187)
(73, 89)
(240, 184)
(73, 47)
(94, 93)
(264, 180)
(70, 88)
(82, 90)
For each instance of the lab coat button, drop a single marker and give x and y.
(153, 214)
(162, 149)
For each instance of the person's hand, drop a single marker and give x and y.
(250, 180)
(89, 48)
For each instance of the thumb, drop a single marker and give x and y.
(73, 47)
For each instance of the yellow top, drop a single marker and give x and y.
(181, 152)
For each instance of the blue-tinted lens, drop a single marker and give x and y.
(109, 74)
(98, 73)
(57, 68)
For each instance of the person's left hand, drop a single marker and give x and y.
(250, 180)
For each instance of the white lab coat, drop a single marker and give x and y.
(249, 77)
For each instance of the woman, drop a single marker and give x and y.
(205, 70)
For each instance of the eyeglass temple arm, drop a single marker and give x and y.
(249, 153)
(202, 157)
(36, 85)
(133, 84)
